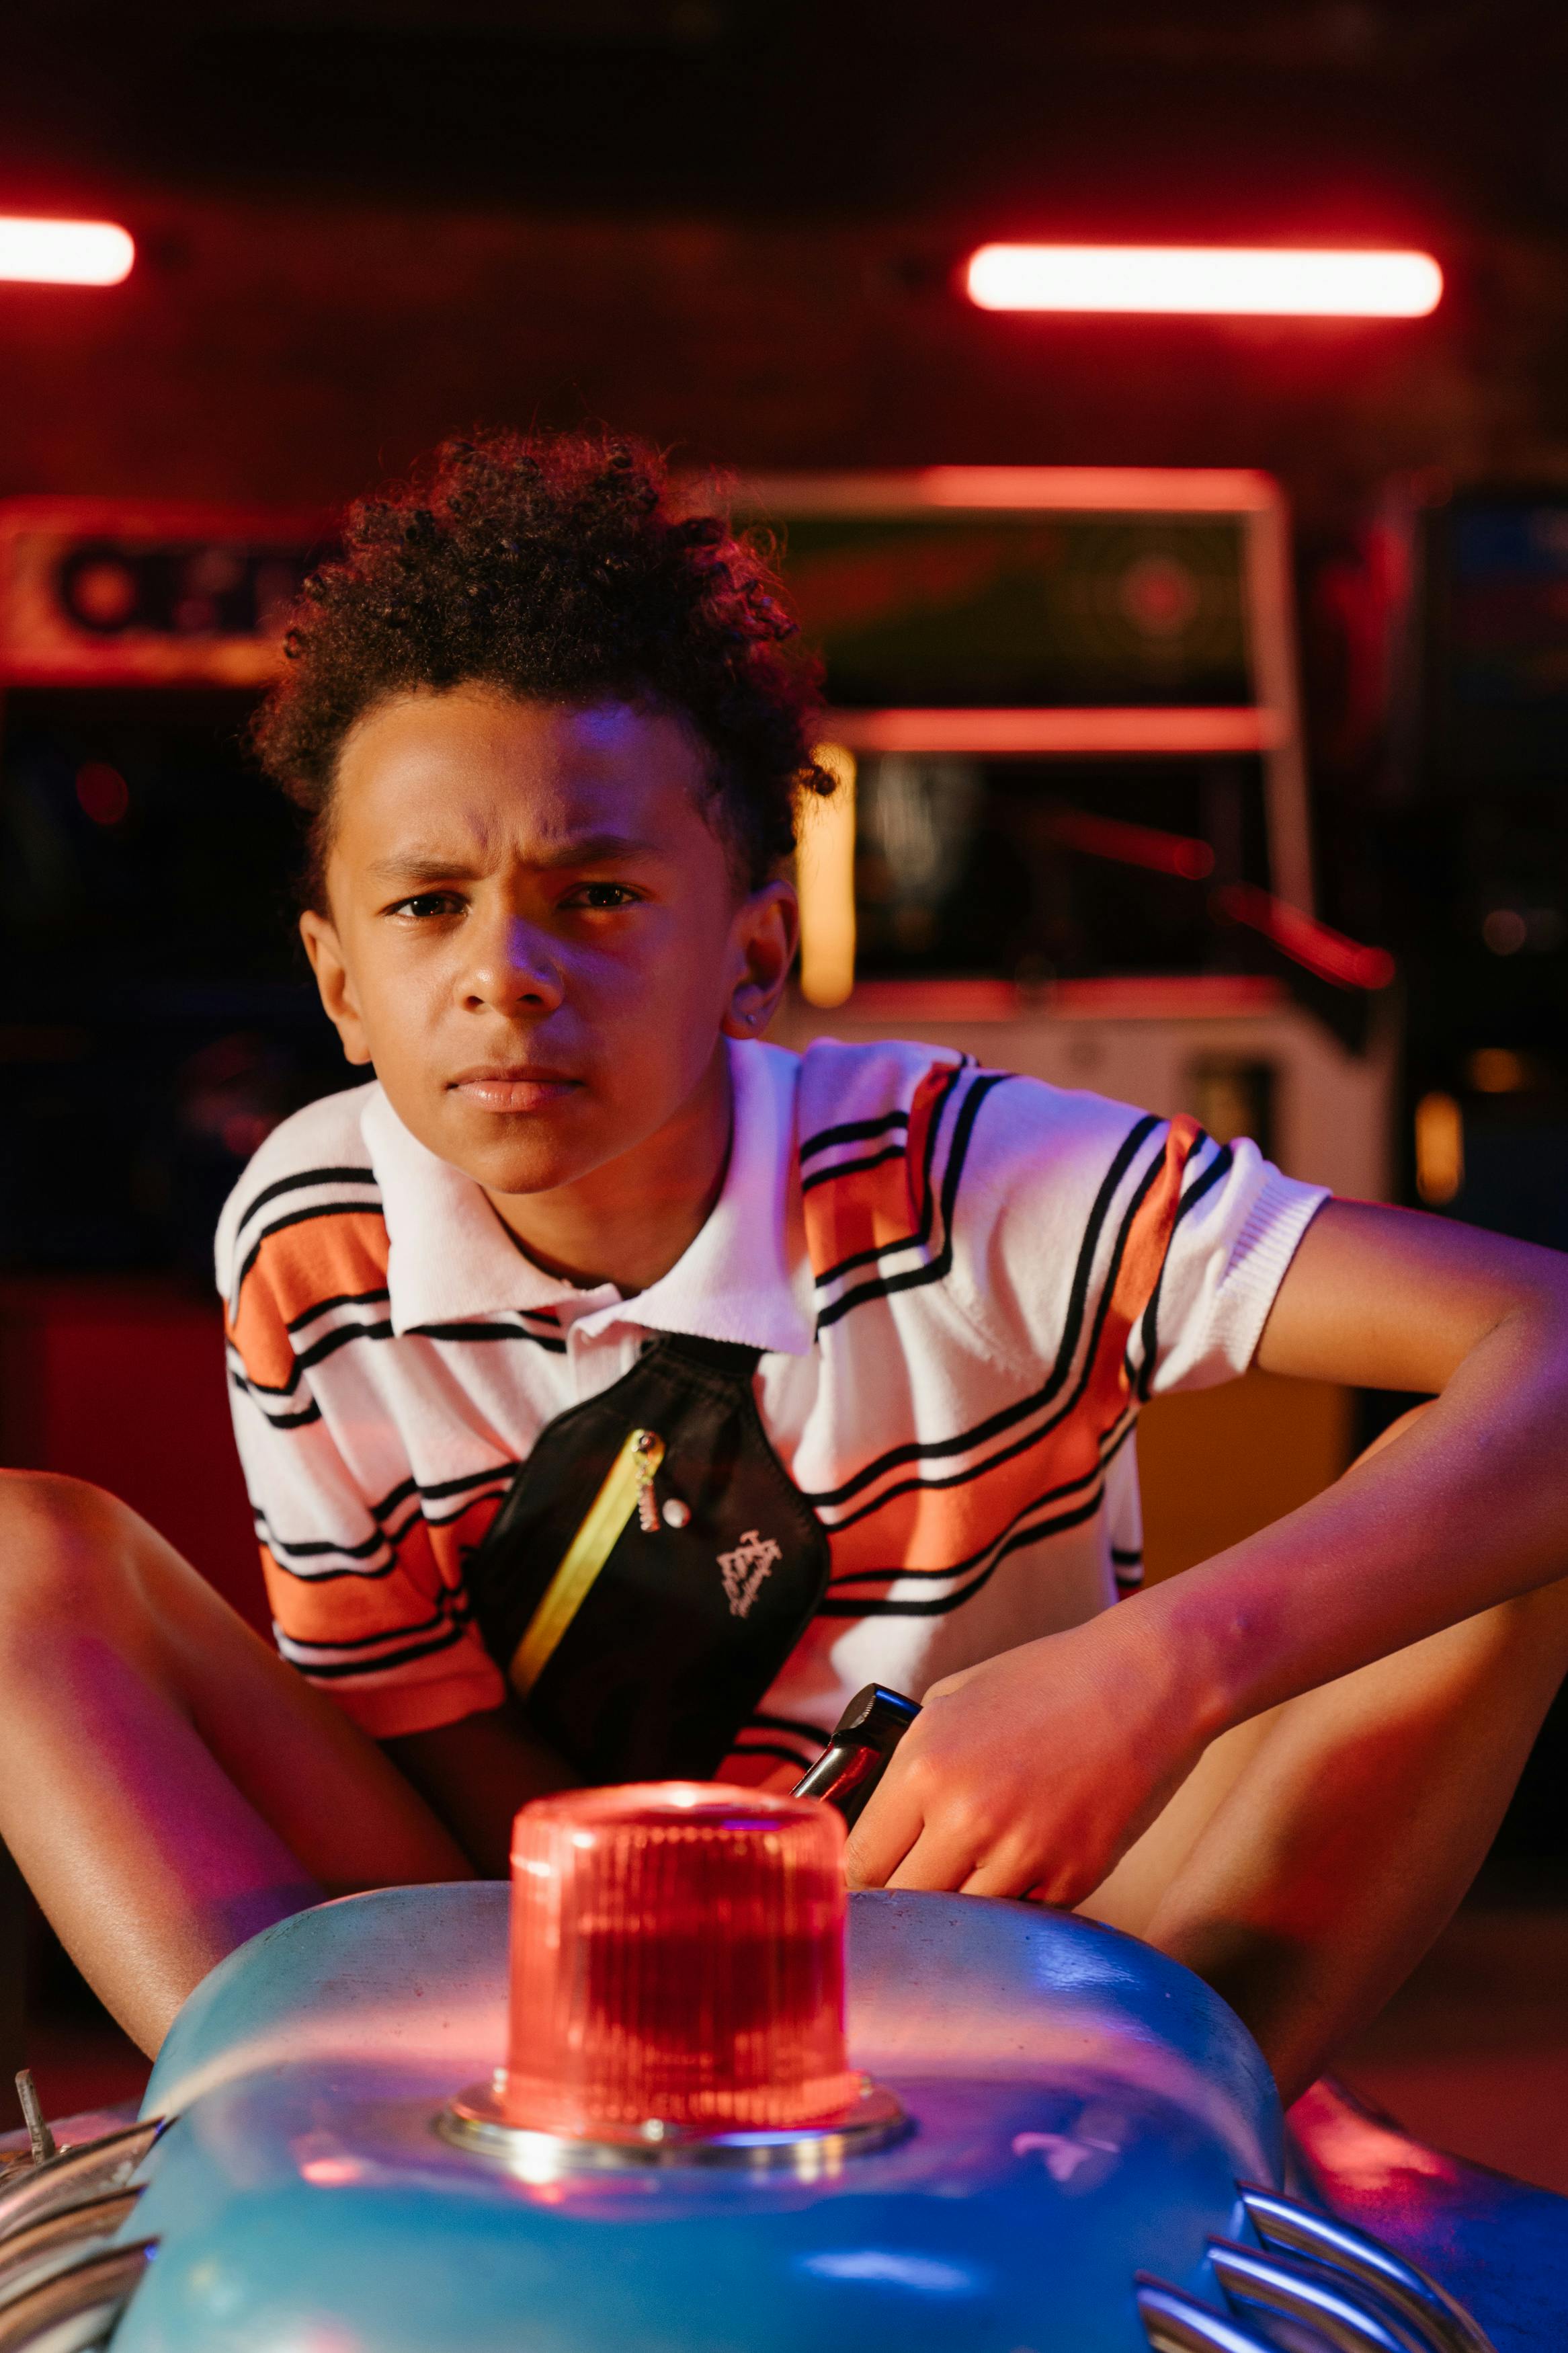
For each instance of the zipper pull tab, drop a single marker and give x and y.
(648, 1456)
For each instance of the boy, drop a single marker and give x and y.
(551, 746)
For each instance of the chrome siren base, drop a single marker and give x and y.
(475, 2121)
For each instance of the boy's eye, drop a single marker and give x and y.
(426, 903)
(601, 896)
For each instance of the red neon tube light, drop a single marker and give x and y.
(64, 252)
(1333, 957)
(1221, 280)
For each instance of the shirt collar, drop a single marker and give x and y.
(744, 1277)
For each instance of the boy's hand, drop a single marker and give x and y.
(1033, 1772)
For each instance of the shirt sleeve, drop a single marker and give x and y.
(1237, 1225)
(1121, 1252)
(366, 1590)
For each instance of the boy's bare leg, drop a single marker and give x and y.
(167, 1784)
(1313, 1855)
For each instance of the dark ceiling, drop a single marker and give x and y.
(1170, 117)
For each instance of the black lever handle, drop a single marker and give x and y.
(854, 1759)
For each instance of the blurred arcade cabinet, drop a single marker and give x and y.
(1077, 844)
(1472, 800)
(154, 1022)
(1475, 867)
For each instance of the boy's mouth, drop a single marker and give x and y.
(523, 1086)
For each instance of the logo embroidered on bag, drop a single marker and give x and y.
(744, 1569)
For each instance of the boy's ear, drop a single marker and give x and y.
(326, 952)
(764, 939)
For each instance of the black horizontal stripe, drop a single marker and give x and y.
(341, 1299)
(440, 1488)
(553, 1346)
(342, 1334)
(319, 1548)
(307, 1414)
(469, 1479)
(1111, 1441)
(450, 1519)
(1009, 1417)
(319, 1350)
(851, 1130)
(979, 1470)
(940, 1605)
(851, 1168)
(340, 1670)
(307, 1177)
(459, 1618)
(1123, 1559)
(365, 1573)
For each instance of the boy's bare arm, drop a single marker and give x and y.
(1036, 1769)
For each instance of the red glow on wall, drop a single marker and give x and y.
(1234, 281)
(64, 252)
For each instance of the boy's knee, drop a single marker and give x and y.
(64, 1545)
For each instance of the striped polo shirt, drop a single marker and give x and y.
(963, 1283)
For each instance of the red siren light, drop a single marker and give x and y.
(676, 1961)
(1218, 282)
(64, 252)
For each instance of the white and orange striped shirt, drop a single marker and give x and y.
(965, 1285)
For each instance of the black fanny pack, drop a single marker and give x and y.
(651, 1568)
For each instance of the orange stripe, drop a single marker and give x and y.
(346, 1608)
(295, 1270)
(873, 1207)
(931, 1528)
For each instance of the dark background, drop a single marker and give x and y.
(735, 227)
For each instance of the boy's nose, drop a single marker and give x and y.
(514, 967)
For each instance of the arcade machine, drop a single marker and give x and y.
(154, 1022)
(709, 2121)
(1472, 802)
(1075, 842)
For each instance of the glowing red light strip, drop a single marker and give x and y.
(64, 252)
(1236, 281)
(1148, 846)
(1222, 729)
(1346, 962)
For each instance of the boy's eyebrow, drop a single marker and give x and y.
(579, 850)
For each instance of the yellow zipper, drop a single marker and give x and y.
(628, 1479)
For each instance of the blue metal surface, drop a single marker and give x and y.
(1083, 2110)
(1500, 2246)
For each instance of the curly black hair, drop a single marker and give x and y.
(559, 567)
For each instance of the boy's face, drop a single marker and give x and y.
(533, 931)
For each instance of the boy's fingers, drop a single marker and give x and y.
(882, 1837)
(934, 1865)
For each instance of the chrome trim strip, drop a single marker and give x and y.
(75, 2176)
(32, 2254)
(1175, 2323)
(474, 2121)
(1284, 2223)
(75, 2308)
(1275, 2288)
